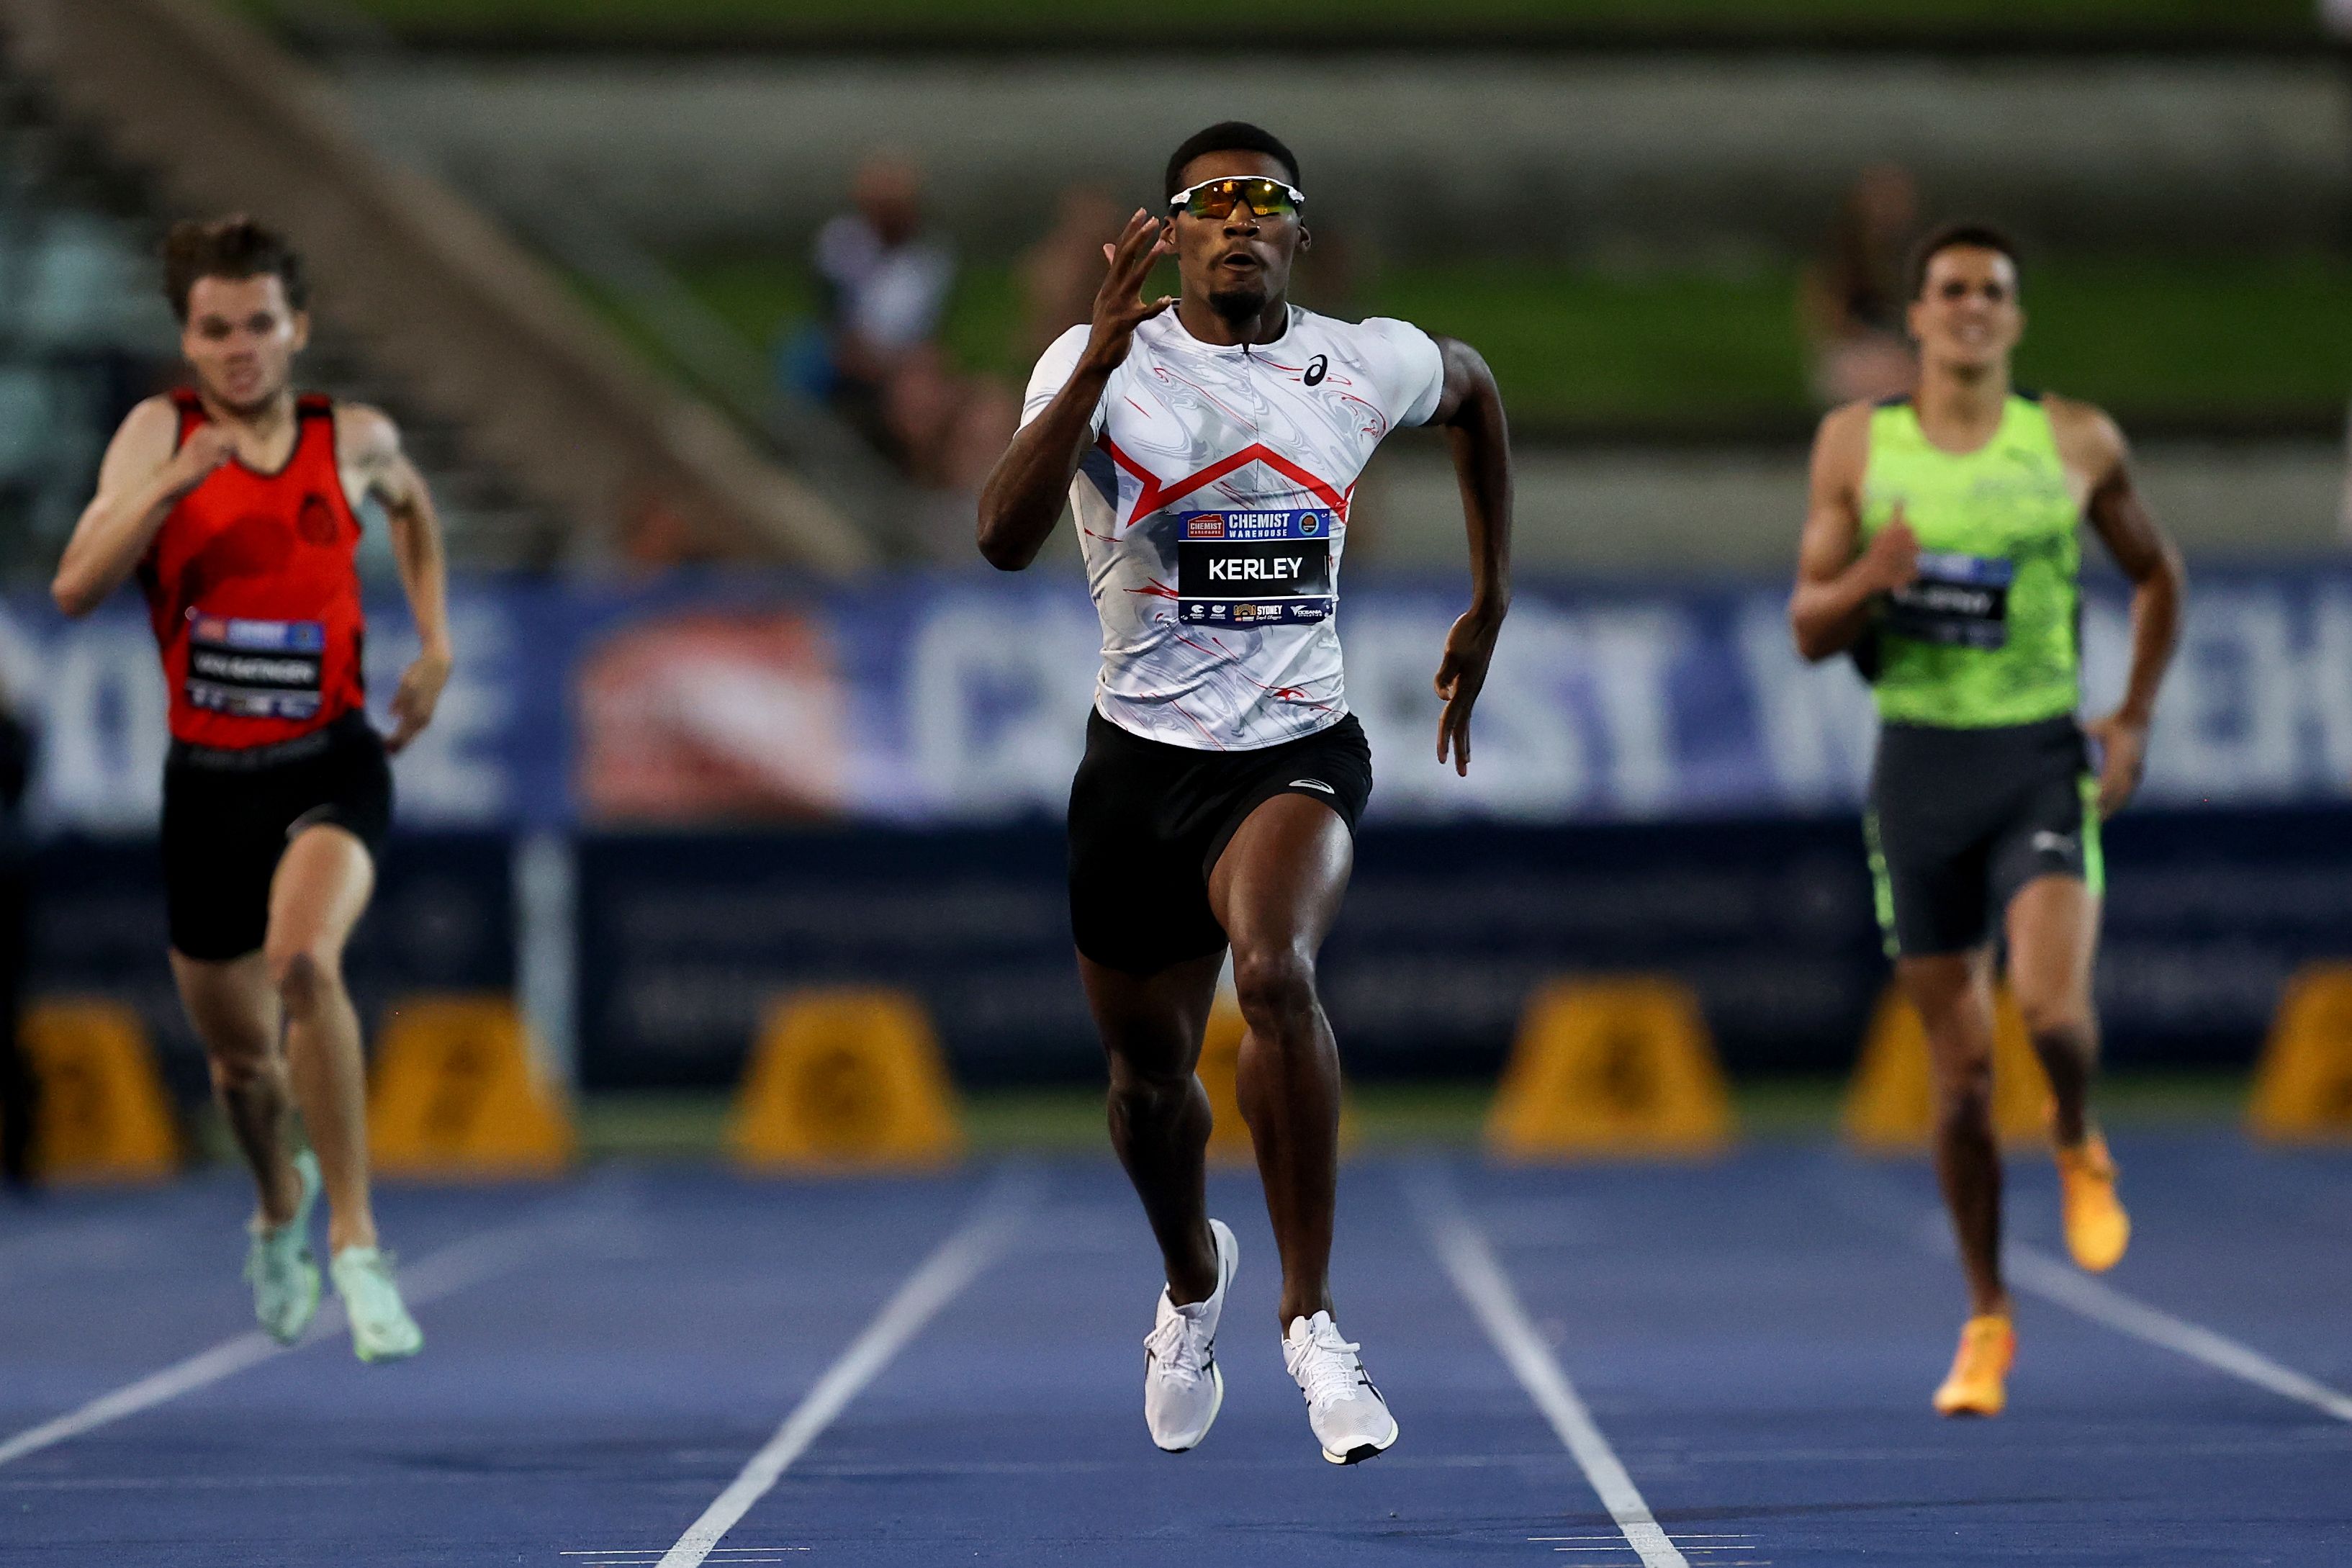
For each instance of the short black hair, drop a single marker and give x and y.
(1969, 232)
(1229, 136)
(234, 247)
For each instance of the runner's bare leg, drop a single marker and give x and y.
(319, 894)
(1277, 889)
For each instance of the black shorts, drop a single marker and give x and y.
(1147, 821)
(1960, 819)
(229, 814)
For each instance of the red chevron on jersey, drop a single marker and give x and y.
(1218, 586)
(1154, 495)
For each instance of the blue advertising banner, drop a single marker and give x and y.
(951, 700)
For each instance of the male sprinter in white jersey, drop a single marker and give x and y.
(1208, 445)
(1943, 545)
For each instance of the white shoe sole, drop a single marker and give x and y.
(1362, 1451)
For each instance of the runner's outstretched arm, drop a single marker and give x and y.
(371, 444)
(1470, 410)
(2159, 583)
(1835, 582)
(139, 482)
(1025, 491)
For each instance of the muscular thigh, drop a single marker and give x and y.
(1278, 883)
(321, 887)
(2053, 929)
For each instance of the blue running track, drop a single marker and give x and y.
(1755, 1339)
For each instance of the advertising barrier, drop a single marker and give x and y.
(962, 700)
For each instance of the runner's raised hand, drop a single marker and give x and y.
(1120, 307)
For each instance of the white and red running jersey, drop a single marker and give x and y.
(1212, 508)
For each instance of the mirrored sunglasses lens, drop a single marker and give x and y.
(1219, 197)
(1267, 197)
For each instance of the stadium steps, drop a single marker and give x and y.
(424, 289)
(86, 333)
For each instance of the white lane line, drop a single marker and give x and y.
(953, 1265)
(2045, 1276)
(645, 1554)
(1462, 1247)
(2041, 1274)
(442, 1273)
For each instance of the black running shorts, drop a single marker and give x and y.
(229, 814)
(1147, 821)
(1960, 819)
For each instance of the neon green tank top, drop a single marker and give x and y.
(1988, 635)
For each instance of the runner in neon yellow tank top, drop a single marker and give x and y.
(1940, 549)
(1986, 635)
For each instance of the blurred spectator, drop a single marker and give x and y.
(887, 287)
(1853, 297)
(885, 284)
(1061, 272)
(17, 1089)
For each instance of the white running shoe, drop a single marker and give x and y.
(280, 1266)
(1348, 1415)
(1183, 1389)
(381, 1329)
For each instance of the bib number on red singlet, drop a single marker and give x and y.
(1254, 568)
(256, 669)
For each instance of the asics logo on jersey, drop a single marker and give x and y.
(1316, 369)
(1258, 569)
(1313, 783)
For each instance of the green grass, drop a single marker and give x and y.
(2172, 336)
(2178, 342)
(1338, 20)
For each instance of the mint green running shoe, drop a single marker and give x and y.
(280, 1266)
(381, 1329)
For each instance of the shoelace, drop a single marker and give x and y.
(1325, 1366)
(1181, 1353)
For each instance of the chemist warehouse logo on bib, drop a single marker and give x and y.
(1255, 568)
(1303, 525)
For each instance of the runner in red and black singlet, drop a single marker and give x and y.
(255, 593)
(236, 502)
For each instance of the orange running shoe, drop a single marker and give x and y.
(2097, 1229)
(1988, 1346)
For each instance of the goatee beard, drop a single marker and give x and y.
(1238, 306)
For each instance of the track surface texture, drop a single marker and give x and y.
(949, 1372)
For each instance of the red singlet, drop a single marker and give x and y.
(253, 589)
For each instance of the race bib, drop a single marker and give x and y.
(1254, 568)
(1959, 600)
(256, 669)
